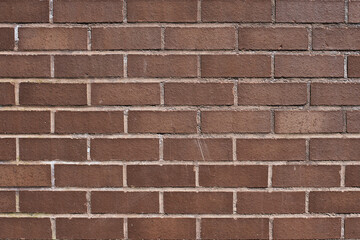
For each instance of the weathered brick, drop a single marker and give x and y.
(24, 122)
(7, 149)
(334, 202)
(7, 94)
(24, 11)
(335, 149)
(22, 228)
(352, 228)
(354, 11)
(352, 174)
(25, 176)
(336, 94)
(7, 38)
(353, 66)
(336, 38)
(352, 121)
(7, 202)
(25, 66)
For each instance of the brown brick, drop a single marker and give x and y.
(136, 149)
(235, 121)
(352, 228)
(233, 176)
(127, 38)
(56, 202)
(89, 122)
(162, 122)
(334, 202)
(235, 66)
(27, 66)
(153, 66)
(25, 228)
(195, 38)
(270, 38)
(24, 122)
(335, 94)
(162, 228)
(201, 202)
(195, 94)
(352, 121)
(162, 11)
(24, 11)
(234, 228)
(270, 149)
(25, 176)
(309, 66)
(7, 202)
(335, 149)
(307, 228)
(306, 176)
(43, 94)
(7, 149)
(7, 38)
(78, 11)
(7, 94)
(124, 202)
(354, 11)
(272, 94)
(352, 174)
(161, 176)
(88, 176)
(336, 38)
(353, 66)
(125, 94)
(308, 11)
(58, 38)
(308, 121)
(268, 203)
(236, 11)
(88, 66)
(197, 149)
(49, 149)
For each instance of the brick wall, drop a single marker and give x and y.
(173, 119)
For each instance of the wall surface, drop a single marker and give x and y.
(180, 119)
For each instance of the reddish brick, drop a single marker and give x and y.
(25, 228)
(25, 176)
(235, 66)
(354, 11)
(352, 228)
(352, 174)
(335, 38)
(7, 38)
(89, 122)
(335, 149)
(124, 202)
(235, 121)
(201, 202)
(335, 94)
(153, 66)
(161, 176)
(55, 202)
(24, 122)
(24, 11)
(7, 149)
(270, 149)
(233, 176)
(162, 122)
(27, 66)
(334, 202)
(353, 66)
(352, 121)
(197, 149)
(88, 176)
(52, 94)
(7, 202)
(7, 94)
(162, 11)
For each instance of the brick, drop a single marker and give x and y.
(7, 202)
(82, 11)
(352, 174)
(49, 149)
(352, 121)
(270, 149)
(333, 149)
(89, 122)
(7, 38)
(195, 38)
(25, 176)
(353, 66)
(307, 11)
(124, 202)
(354, 11)
(309, 66)
(24, 122)
(235, 121)
(58, 38)
(269, 203)
(352, 228)
(162, 66)
(162, 228)
(234, 228)
(96, 176)
(7, 93)
(136, 149)
(26, 66)
(161, 176)
(7, 149)
(306, 176)
(198, 149)
(334, 202)
(235, 66)
(24, 11)
(25, 228)
(309, 122)
(236, 11)
(272, 94)
(125, 94)
(201, 202)
(270, 38)
(162, 122)
(56, 202)
(126, 38)
(43, 94)
(162, 11)
(88, 66)
(196, 94)
(233, 176)
(336, 38)
(307, 228)
(336, 94)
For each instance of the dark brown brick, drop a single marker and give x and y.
(7, 202)
(354, 11)
(26, 66)
(335, 94)
(352, 228)
(25, 228)
(352, 121)
(7, 94)
(352, 174)
(333, 149)
(353, 66)
(24, 11)
(7, 38)
(25, 176)
(334, 202)
(336, 38)
(7, 149)
(24, 122)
